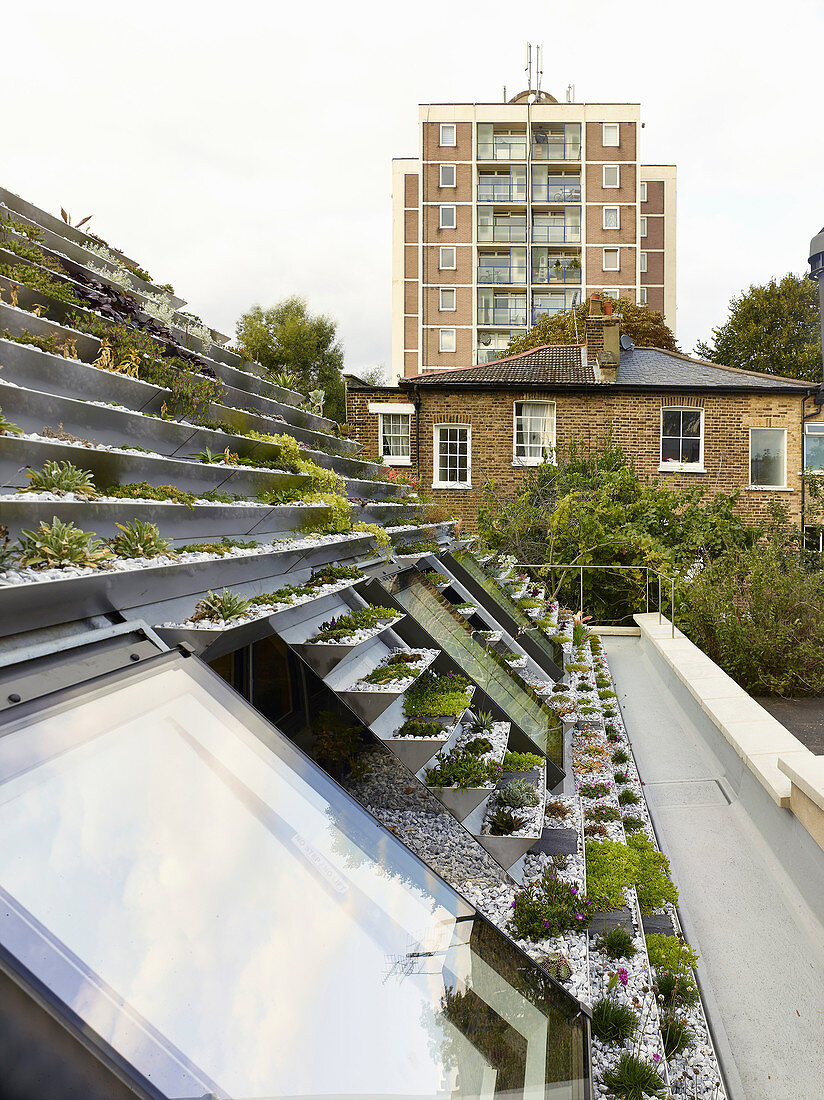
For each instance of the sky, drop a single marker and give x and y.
(243, 151)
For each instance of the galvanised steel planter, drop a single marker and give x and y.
(119, 468)
(178, 522)
(168, 592)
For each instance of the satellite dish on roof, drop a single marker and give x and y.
(627, 344)
(486, 341)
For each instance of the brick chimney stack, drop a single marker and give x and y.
(603, 337)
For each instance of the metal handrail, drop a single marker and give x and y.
(613, 568)
(501, 274)
(502, 315)
(556, 192)
(556, 234)
(552, 274)
(501, 234)
(501, 192)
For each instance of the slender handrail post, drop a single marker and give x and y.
(659, 599)
(582, 591)
(646, 576)
(672, 609)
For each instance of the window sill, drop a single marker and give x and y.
(450, 485)
(527, 463)
(769, 489)
(680, 468)
(395, 461)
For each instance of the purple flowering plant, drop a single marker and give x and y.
(547, 907)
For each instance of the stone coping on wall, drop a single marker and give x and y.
(766, 747)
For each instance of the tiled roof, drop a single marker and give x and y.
(553, 363)
(654, 367)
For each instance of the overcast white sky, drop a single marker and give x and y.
(242, 150)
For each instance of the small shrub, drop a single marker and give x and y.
(602, 812)
(436, 578)
(676, 988)
(557, 965)
(670, 952)
(462, 769)
(612, 737)
(417, 727)
(386, 674)
(60, 477)
(522, 761)
(519, 793)
(329, 574)
(632, 824)
(7, 551)
(225, 605)
(554, 808)
(628, 798)
(478, 746)
(361, 618)
(613, 866)
(503, 822)
(482, 722)
(620, 756)
(437, 696)
(142, 490)
(594, 828)
(613, 1022)
(633, 1078)
(676, 1035)
(617, 944)
(594, 790)
(139, 540)
(621, 777)
(547, 907)
(57, 545)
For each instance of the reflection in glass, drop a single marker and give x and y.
(767, 457)
(223, 916)
(516, 699)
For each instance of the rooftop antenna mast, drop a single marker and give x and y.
(528, 64)
(539, 70)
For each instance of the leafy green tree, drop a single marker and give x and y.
(591, 508)
(646, 327)
(288, 337)
(773, 329)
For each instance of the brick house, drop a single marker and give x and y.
(694, 423)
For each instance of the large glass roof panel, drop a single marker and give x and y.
(518, 702)
(189, 888)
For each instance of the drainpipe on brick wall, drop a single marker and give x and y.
(416, 401)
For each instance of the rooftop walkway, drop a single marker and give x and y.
(760, 942)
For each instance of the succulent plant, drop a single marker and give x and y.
(285, 379)
(60, 477)
(7, 552)
(55, 545)
(478, 746)
(482, 722)
(223, 605)
(557, 965)
(518, 793)
(503, 822)
(139, 540)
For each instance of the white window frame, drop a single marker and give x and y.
(643, 263)
(518, 460)
(454, 171)
(442, 333)
(643, 191)
(617, 225)
(436, 458)
(446, 127)
(388, 409)
(642, 296)
(643, 226)
(669, 465)
(814, 429)
(610, 168)
(447, 290)
(444, 249)
(610, 251)
(767, 488)
(608, 127)
(442, 213)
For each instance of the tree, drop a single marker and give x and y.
(288, 337)
(375, 376)
(589, 507)
(645, 326)
(773, 329)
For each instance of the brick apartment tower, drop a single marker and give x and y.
(517, 209)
